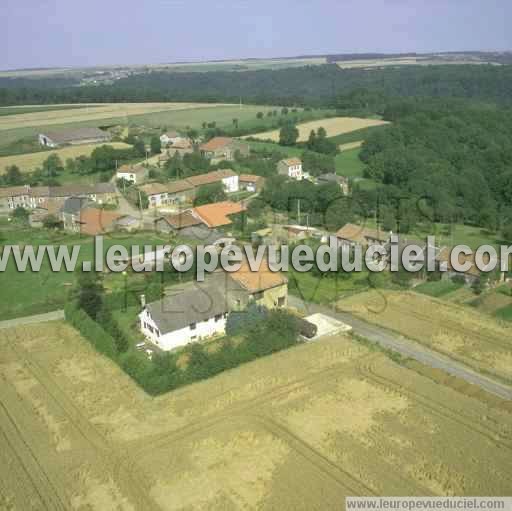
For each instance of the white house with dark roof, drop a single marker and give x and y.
(197, 312)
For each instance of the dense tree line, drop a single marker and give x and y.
(453, 157)
(309, 85)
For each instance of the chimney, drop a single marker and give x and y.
(143, 301)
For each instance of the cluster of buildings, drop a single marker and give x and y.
(184, 190)
(199, 310)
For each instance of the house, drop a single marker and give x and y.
(176, 223)
(352, 234)
(172, 138)
(94, 221)
(135, 174)
(470, 276)
(291, 167)
(101, 193)
(250, 182)
(71, 211)
(156, 193)
(197, 311)
(14, 197)
(226, 176)
(181, 148)
(180, 192)
(74, 136)
(217, 214)
(263, 287)
(223, 148)
(341, 181)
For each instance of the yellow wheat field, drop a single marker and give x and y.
(334, 126)
(29, 162)
(92, 113)
(300, 429)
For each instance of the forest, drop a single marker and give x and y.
(321, 85)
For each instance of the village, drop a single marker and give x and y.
(215, 206)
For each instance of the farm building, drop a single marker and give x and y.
(177, 222)
(228, 178)
(291, 167)
(352, 234)
(172, 138)
(223, 148)
(74, 136)
(218, 213)
(134, 174)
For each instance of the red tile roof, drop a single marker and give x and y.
(216, 143)
(95, 221)
(217, 214)
(254, 281)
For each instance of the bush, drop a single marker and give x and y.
(92, 331)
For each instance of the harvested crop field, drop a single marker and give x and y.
(333, 126)
(95, 112)
(457, 331)
(29, 162)
(301, 429)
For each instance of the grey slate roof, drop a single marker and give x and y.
(196, 303)
(73, 205)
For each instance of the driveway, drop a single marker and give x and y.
(407, 347)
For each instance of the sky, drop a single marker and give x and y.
(61, 33)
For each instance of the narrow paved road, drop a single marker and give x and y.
(407, 347)
(28, 320)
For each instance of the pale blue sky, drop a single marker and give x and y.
(44, 33)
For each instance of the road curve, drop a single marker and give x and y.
(407, 347)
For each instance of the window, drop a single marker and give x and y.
(280, 301)
(193, 326)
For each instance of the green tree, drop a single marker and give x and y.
(207, 194)
(288, 135)
(52, 165)
(156, 145)
(13, 176)
(89, 292)
(20, 215)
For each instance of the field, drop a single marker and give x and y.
(462, 333)
(37, 292)
(96, 113)
(334, 126)
(301, 429)
(24, 127)
(348, 163)
(29, 162)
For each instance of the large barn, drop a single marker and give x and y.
(74, 136)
